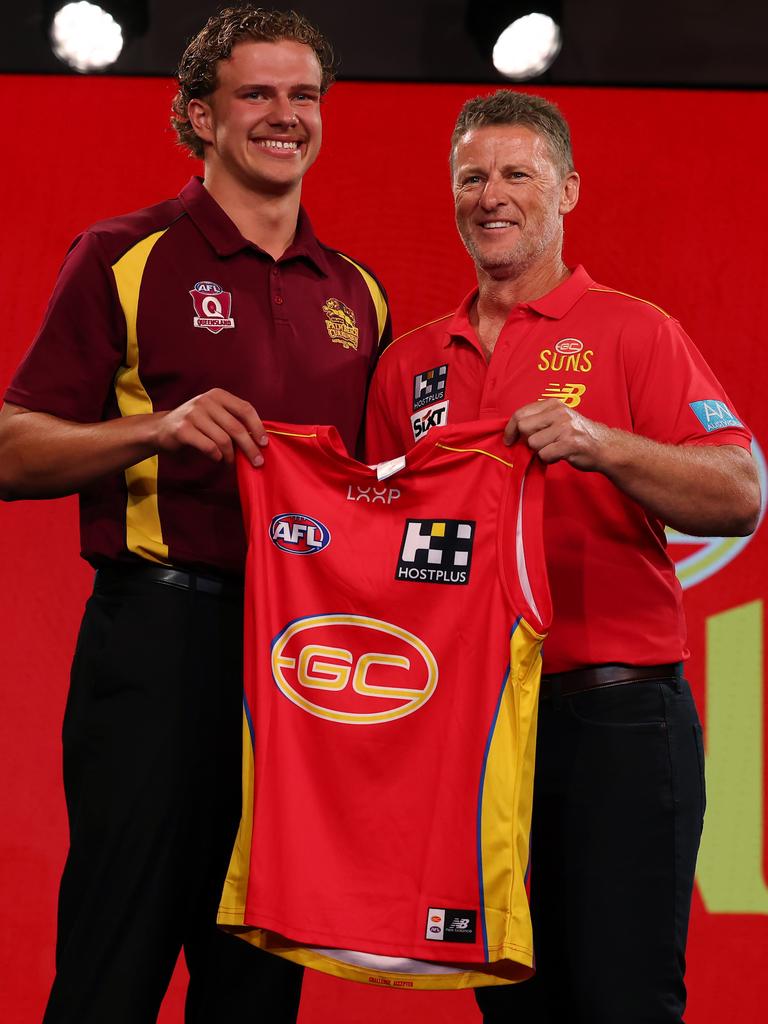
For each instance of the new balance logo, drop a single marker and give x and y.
(446, 925)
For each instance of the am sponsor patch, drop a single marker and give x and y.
(429, 386)
(713, 414)
(433, 416)
(446, 924)
(436, 551)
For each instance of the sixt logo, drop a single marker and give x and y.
(353, 669)
(299, 534)
(433, 416)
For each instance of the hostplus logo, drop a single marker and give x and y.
(436, 551)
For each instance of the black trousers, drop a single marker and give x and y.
(152, 743)
(617, 817)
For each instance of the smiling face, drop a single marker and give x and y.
(262, 125)
(510, 198)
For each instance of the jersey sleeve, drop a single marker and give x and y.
(675, 397)
(71, 363)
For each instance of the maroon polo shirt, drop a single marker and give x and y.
(160, 305)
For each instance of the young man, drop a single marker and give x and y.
(171, 332)
(637, 432)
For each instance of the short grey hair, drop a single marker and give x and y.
(507, 107)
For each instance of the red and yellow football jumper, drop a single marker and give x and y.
(394, 621)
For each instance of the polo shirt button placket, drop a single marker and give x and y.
(277, 298)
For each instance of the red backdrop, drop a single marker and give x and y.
(672, 209)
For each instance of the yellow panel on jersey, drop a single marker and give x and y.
(393, 631)
(377, 294)
(236, 883)
(144, 534)
(506, 802)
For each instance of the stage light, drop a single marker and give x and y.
(91, 36)
(528, 46)
(522, 39)
(85, 36)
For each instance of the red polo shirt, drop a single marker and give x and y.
(158, 306)
(619, 360)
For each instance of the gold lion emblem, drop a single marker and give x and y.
(340, 323)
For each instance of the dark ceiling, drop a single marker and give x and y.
(709, 43)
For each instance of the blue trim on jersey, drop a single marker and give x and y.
(480, 799)
(249, 720)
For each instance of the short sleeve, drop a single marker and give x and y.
(70, 366)
(675, 397)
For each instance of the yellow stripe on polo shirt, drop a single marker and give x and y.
(379, 302)
(144, 533)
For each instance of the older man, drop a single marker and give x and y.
(170, 332)
(638, 433)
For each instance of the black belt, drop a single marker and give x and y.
(231, 586)
(594, 677)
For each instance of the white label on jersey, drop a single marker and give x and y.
(435, 923)
(387, 469)
(433, 416)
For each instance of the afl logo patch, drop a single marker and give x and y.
(299, 534)
(353, 669)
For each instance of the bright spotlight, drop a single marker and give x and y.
(85, 36)
(527, 47)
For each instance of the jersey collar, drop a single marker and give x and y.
(225, 238)
(554, 305)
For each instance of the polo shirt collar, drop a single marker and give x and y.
(225, 238)
(554, 304)
(561, 300)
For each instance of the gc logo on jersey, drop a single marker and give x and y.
(299, 534)
(213, 306)
(429, 386)
(436, 551)
(434, 416)
(353, 669)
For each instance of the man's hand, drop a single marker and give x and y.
(558, 433)
(213, 423)
(43, 456)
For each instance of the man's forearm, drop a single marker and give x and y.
(42, 456)
(703, 490)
